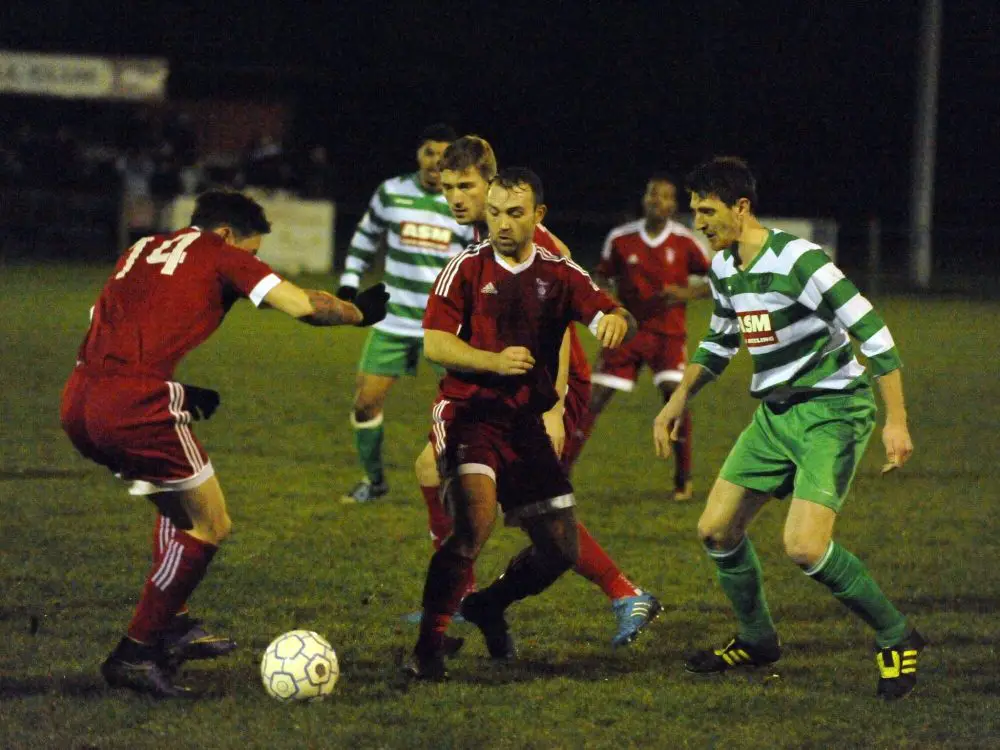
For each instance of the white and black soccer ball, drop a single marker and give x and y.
(299, 665)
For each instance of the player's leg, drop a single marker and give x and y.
(157, 641)
(474, 503)
(535, 495)
(469, 465)
(832, 435)
(552, 552)
(615, 370)
(633, 608)
(755, 469)
(438, 521)
(667, 364)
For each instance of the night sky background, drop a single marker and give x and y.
(819, 96)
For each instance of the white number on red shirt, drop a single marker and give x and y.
(171, 253)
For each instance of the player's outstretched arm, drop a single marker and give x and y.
(449, 351)
(895, 433)
(667, 425)
(313, 306)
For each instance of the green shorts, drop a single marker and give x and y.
(391, 355)
(809, 449)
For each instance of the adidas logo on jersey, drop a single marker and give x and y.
(632, 260)
(490, 288)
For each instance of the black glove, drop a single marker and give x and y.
(347, 293)
(201, 402)
(371, 303)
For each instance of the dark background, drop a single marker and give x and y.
(819, 96)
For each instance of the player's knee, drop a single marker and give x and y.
(366, 411)
(804, 550)
(716, 534)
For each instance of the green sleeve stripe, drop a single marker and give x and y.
(885, 362)
(711, 362)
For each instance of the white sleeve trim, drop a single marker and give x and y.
(594, 322)
(264, 286)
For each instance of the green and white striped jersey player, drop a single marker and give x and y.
(420, 237)
(796, 312)
(409, 219)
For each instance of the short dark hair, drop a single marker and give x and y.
(511, 178)
(727, 177)
(662, 176)
(227, 208)
(470, 151)
(438, 132)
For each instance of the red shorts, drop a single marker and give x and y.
(138, 428)
(510, 447)
(665, 356)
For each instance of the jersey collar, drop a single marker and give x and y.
(522, 266)
(658, 239)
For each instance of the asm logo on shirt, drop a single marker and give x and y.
(755, 325)
(425, 235)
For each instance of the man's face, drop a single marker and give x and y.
(428, 156)
(465, 192)
(718, 222)
(511, 215)
(660, 201)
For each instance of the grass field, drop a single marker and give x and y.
(74, 549)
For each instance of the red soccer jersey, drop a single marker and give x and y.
(492, 306)
(643, 265)
(168, 294)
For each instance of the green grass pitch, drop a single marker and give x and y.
(74, 549)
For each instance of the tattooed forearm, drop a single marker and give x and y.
(330, 311)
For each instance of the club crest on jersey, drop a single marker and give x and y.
(543, 288)
(755, 325)
(764, 281)
(490, 288)
(632, 260)
(427, 236)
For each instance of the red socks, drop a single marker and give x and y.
(438, 519)
(444, 590)
(181, 566)
(595, 565)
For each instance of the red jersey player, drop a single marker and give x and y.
(649, 261)
(496, 320)
(121, 408)
(467, 166)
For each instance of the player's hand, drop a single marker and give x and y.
(514, 360)
(667, 425)
(611, 330)
(200, 402)
(371, 302)
(674, 293)
(347, 293)
(555, 427)
(898, 445)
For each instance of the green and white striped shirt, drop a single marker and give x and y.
(420, 236)
(794, 309)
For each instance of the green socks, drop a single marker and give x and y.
(741, 577)
(368, 442)
(849, 580)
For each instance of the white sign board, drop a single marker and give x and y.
(301, 238)
(80, 77)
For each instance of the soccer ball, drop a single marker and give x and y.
(299, 665)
